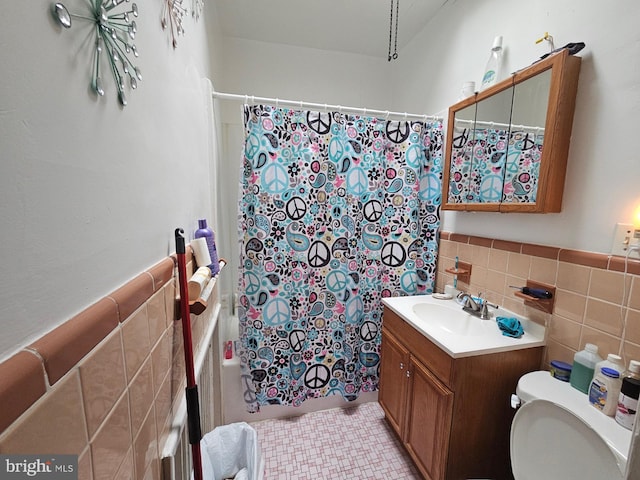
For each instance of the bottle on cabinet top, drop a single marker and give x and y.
(494, 65)
(205, 232)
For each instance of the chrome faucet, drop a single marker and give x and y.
(471, 306)
(468, 303)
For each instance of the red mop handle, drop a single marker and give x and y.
(193, 406)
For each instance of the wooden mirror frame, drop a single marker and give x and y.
(565, 70)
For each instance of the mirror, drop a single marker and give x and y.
(491, 138)
(479, 150)
(526, 138)
(499, 156)
(461, 153)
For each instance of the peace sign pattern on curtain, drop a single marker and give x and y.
(336, 212)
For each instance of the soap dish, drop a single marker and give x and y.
(441, 296)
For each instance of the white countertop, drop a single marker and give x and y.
(458, 346)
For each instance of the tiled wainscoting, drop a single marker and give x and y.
(104, 384)
(590, 290)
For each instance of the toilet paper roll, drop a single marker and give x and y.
(201, 251)
(198, 281)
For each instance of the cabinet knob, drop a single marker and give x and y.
(401, 366)
(408, 373)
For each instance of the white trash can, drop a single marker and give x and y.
(231, 451)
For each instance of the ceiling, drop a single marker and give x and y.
(354, 26)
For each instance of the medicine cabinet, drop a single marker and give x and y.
(507, 146)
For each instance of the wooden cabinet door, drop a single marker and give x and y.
(392, 396)
(428, 427)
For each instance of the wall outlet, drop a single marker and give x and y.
(622, 238)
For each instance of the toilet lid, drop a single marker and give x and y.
(550, 442)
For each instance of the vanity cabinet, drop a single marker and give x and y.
(394, 368)
(451, 414)
(507, 146)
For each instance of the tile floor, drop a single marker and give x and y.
(353, 443)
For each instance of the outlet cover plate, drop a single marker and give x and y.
(619, 247)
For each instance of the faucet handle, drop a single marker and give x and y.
(484, 314)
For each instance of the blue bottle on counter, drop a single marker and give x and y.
(205, 232)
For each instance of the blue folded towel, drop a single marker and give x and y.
(510, 326)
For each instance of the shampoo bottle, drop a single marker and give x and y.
(494, 64)
(205, 232)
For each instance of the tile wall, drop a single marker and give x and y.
(104, 384)
(590, 291)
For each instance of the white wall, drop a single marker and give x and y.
(90, 193)
(603, 177)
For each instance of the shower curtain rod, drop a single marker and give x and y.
(323, 106)
(504, 125)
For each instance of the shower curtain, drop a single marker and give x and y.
(336, 212)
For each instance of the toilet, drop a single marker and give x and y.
(557, 434)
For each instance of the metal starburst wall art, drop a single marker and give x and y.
(196, 8)
(115, 31)
(172, 15)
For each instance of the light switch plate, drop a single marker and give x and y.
(623, 235)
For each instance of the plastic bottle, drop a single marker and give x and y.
(612, 361)
(494, 64)
(584, 364)
(605, 390)
(205, 232)
(198, 281)
(201, 252)
(628, 399)
(468, 89)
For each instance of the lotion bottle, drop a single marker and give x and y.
(605, 390)
(612, 361)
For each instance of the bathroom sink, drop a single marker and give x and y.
(459, 333)
(453, 320)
